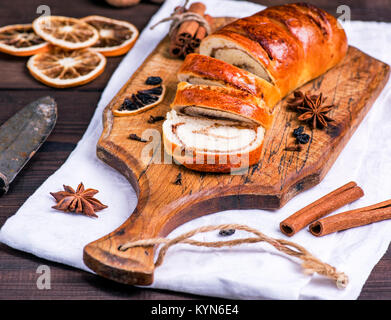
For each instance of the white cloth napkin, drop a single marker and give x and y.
(247, 272)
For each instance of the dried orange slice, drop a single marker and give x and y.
(65, 32)
(21, 40)
(140, 101)
(116, 37)
(61, 68)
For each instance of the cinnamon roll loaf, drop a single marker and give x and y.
(286, 45)
(241, 73)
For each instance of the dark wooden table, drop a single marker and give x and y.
(18, 269)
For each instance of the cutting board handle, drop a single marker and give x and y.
(151, 219)
(155, 216)
(133, 266)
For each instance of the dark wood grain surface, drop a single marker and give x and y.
(17, 269)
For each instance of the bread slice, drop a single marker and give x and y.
(221, 103)
(200, 69)
(238, 50)
(211, 145)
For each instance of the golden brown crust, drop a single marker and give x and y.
(284, 55)
(206, 67)
(321, 37)
(222, 99)
(228, 163)
(295, 43)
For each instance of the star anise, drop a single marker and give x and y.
(79, 201)
(312, 108)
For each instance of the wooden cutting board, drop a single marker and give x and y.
(352, 86)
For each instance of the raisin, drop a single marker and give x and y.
(303, 138)
(153, 119)
(155, 91)
(154, 80)
(134, 136)
(298, 131)
(226, 232)
(146, 98)
(178, 179)
(128, 105)
(137, 102)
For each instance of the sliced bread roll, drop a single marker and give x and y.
(221, 103)
(211, 145)
(200, 69)
(286, 45)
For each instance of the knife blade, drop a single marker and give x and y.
(22, 135)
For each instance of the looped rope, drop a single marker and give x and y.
(310, 264)
(178, 18)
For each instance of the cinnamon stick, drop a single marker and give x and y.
(187, 49)
(323, 206)
(351, 219)
(201, 33)
(175, 49)
(188, 29)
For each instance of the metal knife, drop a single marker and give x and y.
(22, 135)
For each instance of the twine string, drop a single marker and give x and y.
(310, 264)
(178, 18)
